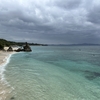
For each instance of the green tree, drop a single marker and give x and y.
(1, 46)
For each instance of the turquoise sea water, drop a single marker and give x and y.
(55, 73)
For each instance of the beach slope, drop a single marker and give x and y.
(5, 88)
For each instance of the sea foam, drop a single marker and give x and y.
(3, 66)
(3, 69)
(6, 88)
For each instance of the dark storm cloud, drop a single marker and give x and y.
(94, 15)
(50, 21)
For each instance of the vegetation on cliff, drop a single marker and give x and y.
(4, 42)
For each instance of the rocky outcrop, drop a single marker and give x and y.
(27, 48)
(19, 50)
(10, 48)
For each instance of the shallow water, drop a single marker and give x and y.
(55, 73)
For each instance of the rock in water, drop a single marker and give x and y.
(12, 98)
(27, 48)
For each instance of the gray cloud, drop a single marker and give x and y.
(94, 15)
(68, 4)
(50, 21)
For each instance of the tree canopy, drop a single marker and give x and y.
(3, 43)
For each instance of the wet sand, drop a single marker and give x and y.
(5, 88)
(3, 56)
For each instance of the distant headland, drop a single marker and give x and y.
(83, 44)
(17, 46)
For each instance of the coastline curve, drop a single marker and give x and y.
(5, 88)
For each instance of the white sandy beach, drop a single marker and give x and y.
(3, 56)
(4, 87)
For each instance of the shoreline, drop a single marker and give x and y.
(4, 56)
(5, 88)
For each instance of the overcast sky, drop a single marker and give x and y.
(50, 21)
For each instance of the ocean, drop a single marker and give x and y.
(54, 73)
